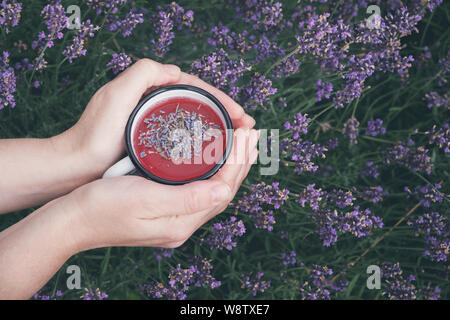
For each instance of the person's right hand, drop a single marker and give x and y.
(134, 211)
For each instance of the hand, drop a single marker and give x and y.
(134, 211)
(123, 211)
(84, 152)
(100, 130)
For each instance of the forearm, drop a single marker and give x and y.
(34, 171)
(32, 250)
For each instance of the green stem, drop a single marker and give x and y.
(295, 51)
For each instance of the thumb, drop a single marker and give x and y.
(194, 197)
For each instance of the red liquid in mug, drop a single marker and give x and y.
(166, 168)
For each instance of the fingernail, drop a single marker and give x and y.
(171, 69)
(221, 193)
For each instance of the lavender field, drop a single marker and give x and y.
(359, 92)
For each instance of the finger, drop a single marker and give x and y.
(235, 111)
(229, 173)
(184, 199)
(253, 140)
(141, 76)
(248, 121)
(184, 226)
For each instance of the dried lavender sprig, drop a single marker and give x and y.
(166, 134)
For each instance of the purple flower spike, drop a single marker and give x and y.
(119, 62)
(222, 234)
(10, 14)
(7, 82)
(375, 128)
(253, 283)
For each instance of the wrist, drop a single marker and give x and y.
(32, 250)
(67, 217)
(76, 157)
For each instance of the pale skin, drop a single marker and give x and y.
(82, 211)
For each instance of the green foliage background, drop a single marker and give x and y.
(53, 108)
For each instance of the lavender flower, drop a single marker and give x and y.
(286, 67)
(375, 128)
(396, 285)
(158, 290)
(264, 15)
(119, 62)
(218, 69)
(172, 15)
(202, 268)
(266, 50)
(323, 40)
(109, 6)
(7, 82)
(258, 92)
(429, 293)
(127, 25)
(221, 36)
(444, 65)
(426, 194)
(320, 287)
(77, 48)
(359, 223)
(253, 283)
(341, 198)
(324, 90)
(302, 152)
(56, 21)
(436, 230)
(416, 159)
(180, 280)
(163, 28)
(435, 100)
(56, 296)
(370, 170)
(351, 90)
(332, 143)
(325, 221)
(94, 294)
(24, 65)
(163, 252)
(440, 137)
(262, 195)
(181, 17)
(289, 258)
(10, 14)
(350, 130)
(373, 194)
(298, 126)
(222, 234)
(311, 196)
